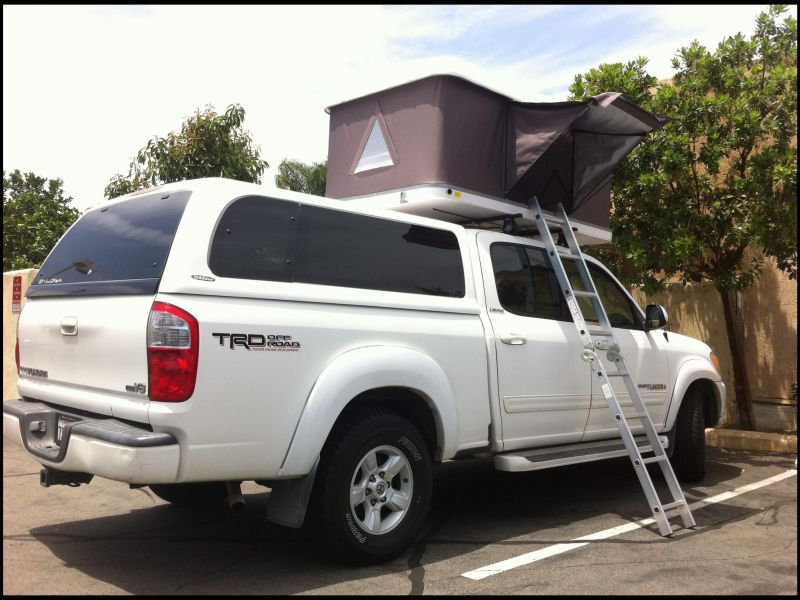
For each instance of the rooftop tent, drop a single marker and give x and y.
(446, 130)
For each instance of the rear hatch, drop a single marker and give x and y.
(83, 331)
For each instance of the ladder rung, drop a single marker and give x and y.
(616, 374)
(601, 333)
(653, 459)
(584, 294)
(570, 257)
(672, 505)
(551, 220)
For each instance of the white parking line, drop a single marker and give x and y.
(530, 557)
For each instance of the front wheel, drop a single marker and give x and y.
(373, 488)
(689, 456)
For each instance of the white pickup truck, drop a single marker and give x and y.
(211, 330)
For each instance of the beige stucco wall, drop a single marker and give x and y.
(10, 330)
(769, 311)
(769, 318)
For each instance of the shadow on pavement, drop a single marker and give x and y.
(163, 549)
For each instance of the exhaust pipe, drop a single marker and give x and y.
(48, 477)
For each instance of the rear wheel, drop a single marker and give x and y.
(191, 494)
(373, 488)
(689, 456)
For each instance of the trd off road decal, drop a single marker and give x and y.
(258, 342)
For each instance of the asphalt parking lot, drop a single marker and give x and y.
(488, 533)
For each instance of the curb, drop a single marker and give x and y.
(755, 441)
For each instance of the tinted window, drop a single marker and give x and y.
(255, 239)
(547, 294)
(618, 307)
(350, 250)
(527, 286)
(513, 279)
(121, 248)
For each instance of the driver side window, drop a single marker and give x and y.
(620, 310)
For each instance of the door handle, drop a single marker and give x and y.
(69, 326)
(515, 339)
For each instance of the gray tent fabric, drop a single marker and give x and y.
(444, 129)
(565, 152)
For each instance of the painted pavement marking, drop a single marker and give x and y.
(531, 557)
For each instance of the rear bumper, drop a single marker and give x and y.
(101, 446)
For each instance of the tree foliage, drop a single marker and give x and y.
(301, 177)
(722, 176)
(35, 215)
(713, 193)
(630, 78)
(208, 145)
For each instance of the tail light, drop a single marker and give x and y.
(172, 350)
(16, 355)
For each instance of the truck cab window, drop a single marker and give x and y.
(527, 286)
(513, 279)
(619, 308)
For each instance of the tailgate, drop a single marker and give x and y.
(87, 353)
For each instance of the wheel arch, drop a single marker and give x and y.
(401, 379)
(405, 402)
(697, 374)
(707, 391)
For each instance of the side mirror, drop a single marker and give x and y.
(655, 317)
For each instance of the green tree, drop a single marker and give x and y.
(301, 177)
(208, 145)
(630, 78)
(35, 215)
(714, 193)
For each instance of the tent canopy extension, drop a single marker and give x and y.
(444, 129)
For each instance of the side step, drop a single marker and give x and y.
(557, 456)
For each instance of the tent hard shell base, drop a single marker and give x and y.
(455, 205)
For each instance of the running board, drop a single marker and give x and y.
(558, 456)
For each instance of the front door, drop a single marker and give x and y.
(544, 385)
(645, 354)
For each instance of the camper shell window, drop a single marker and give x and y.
(117, 249)
(275, 240)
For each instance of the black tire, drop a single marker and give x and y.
(342, 467)
(191, 494)
(689, 455)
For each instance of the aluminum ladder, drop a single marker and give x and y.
(604, 340)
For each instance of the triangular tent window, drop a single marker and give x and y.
(376, 151)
